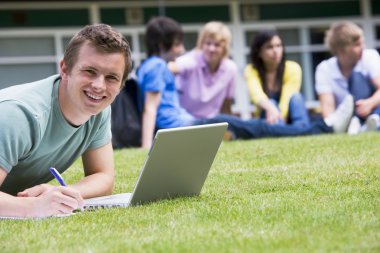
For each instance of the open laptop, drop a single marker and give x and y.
(177, 165)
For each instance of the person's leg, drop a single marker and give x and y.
(298, 114)
(360, 87)
(261, 129)
(258, 128)
(336, 122)
(238, 127)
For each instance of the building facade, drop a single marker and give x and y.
(33, 34)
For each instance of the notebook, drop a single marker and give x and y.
(177, 165)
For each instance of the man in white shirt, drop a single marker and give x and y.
(353, 70)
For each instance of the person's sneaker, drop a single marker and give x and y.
(372, 122)
(340, 119)
(354, 127)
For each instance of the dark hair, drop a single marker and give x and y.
(260, 39)
(161, 33)
(105, 39)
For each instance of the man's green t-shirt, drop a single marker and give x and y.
(35, 136)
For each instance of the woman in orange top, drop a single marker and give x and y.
(274, 83)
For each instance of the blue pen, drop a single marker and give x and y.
(57, 176)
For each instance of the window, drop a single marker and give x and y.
(23, 73)
(23, 47)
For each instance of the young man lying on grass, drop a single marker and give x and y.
(51, 122)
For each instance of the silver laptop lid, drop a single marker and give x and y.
(178, 162)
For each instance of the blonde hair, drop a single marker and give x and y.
(342, 34)
(218, 31)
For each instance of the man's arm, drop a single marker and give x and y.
(48, 200)
(327, 103)
(99, 172)
(364, 107)
(152, 101)
(323, 85)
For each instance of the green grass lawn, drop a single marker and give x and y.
(306, 194)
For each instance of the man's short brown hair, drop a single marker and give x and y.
(105, 39)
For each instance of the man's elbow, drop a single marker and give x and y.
(110, 185)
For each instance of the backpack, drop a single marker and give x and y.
(126, 116)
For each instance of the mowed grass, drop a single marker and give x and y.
(305, 194)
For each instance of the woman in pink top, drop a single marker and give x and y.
(206, 77)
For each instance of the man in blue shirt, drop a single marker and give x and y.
(161, 103)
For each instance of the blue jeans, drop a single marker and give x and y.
(298, 115)
(259, 128)
(361, 87)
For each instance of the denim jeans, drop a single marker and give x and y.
(298, 115)
(361, 87)
(259, 128)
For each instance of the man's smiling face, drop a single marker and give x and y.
(92, 84)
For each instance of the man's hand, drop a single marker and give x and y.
(47, 200)
(364, 107)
